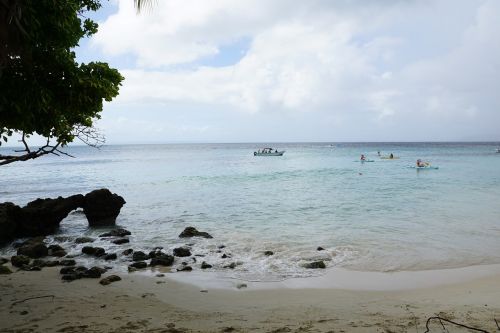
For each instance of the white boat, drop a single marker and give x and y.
(268, 152)
(498, 150)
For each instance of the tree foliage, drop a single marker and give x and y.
(43, 89)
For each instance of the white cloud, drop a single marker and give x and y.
(319, 57)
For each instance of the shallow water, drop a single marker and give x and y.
(380, 216)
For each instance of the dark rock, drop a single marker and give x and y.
(221, 246)
(63, 238)
(127, 252)
(93, 273)
(315, 265)
(90, 250)
(110, 279)
(192, 232)
(57, 251)
(43, 216)
(154, 253)
(185, 269)
(231, 265)
(139, 256)
(10, 214)
(205, 265)
(111, 256)
(241, 285)
(33, 250)
(19, 261)
(93, 251)
(3, 260)
(121, 241)
(52, 263)
(82, 240)
(67, 270)
(182, 252)
(162, 260)
(67, 262)
(4, 270)
(116, 233)
(268, 253)
(139, 264)
(101, 207)
(320, 248)
(224, 256)
(70, 277)
(39, 263)
(160, 275)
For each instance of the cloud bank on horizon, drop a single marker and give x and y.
(281, 70)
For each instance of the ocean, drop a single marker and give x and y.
(378, 216)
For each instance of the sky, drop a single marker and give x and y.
(293, 70)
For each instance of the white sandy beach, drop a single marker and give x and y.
(142, 303)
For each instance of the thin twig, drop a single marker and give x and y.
(451, 322)
(496, 322)
(30, 298)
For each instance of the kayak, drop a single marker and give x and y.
(364, 161)
(389, 158)
(424, 167)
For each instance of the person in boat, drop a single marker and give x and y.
(276, 150)
(391, 156)
(421, 164)
(363, 158)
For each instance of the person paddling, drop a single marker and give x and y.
(363, 158)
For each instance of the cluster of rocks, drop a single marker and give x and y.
(42, 216)
(30, 252)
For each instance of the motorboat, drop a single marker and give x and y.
(268, 152)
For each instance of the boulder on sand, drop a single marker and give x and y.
(33, 248)
(19, 261)
(101, 207)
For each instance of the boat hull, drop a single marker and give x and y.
(280, 153)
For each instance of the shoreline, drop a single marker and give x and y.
(345, 279)
(140, 303)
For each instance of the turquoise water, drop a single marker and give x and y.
(380, 216)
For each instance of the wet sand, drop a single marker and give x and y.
(142, 303)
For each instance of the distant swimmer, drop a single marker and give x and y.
(378, 153)
(421, 164)
(391, 156)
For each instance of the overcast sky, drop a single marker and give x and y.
(283, 70)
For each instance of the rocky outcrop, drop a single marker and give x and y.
(43, 216)
(192, 232)
(9, 215)
(101, 207)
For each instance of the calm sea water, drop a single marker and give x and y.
(379, 216)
